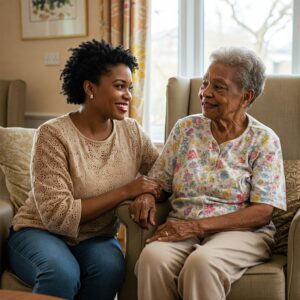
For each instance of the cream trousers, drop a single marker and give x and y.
(199, 270)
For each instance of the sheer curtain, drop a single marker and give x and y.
(125, 22)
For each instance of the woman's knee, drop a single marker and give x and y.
(206, 262)
(106, 265)
(151, 256)
(203, 275)
(43, 260)
(110, 267)
(156, 260)
(54, 273)
(199, 261)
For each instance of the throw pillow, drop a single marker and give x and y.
(282, 219)
(15, 154)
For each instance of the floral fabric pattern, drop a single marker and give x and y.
(125, 22)
(207, 179)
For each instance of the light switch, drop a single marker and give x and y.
(52, 59)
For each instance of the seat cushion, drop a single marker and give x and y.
(265, 281)
(9, 281)
(15, 153)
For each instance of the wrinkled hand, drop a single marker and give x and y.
(177, 230)
(142, 210)
(142, 185)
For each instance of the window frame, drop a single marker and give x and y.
(296, 38)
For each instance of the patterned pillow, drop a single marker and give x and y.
(15, 153)
(282, 219)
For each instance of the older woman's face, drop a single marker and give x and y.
(221, 97)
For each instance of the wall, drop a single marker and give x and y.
(24, 59)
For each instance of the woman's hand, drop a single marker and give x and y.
(246, 219)
(142, 210)
(142, 185)
(177, 230)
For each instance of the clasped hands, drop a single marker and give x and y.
(142, 211)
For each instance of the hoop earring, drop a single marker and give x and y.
(91, 96)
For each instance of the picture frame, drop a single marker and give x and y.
(46, 19)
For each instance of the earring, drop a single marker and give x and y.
(91, 96)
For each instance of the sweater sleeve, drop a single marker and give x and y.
(52, 184)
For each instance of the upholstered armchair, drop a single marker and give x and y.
(278, 108)
(12, 103)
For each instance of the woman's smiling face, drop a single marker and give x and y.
(113, 93)
(221, 96)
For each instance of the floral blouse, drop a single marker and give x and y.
(207, 179)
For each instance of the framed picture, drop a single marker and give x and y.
(45, 19)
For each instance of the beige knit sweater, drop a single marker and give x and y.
(67, 168)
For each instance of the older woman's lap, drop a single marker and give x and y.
(199, 270)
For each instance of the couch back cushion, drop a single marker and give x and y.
(15, 155)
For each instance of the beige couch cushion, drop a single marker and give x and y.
(282, 219)
(15, 153)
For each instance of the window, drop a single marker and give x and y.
(269, 33)
(185, 32)
(163, 58)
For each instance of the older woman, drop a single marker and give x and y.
(224, 172)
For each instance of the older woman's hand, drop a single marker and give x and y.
(142, 185)
(142, 210)
(177, 230)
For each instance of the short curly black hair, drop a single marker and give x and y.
(89, 61)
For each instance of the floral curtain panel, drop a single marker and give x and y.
(125, 22)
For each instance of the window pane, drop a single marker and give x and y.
(163, 61)
(263, 26)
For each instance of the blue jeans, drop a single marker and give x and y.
(93, 269)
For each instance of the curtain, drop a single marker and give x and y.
(125, 22)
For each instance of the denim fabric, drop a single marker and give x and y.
(93, 269)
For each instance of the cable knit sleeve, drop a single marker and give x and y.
(52, 184)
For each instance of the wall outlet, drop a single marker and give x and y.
(52, 59)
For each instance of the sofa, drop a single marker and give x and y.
(12, 102)
(278, 108)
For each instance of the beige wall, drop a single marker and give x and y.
(24, 59)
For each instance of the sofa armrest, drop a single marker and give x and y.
(135, 241)
(293, 260)
(6, 215)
